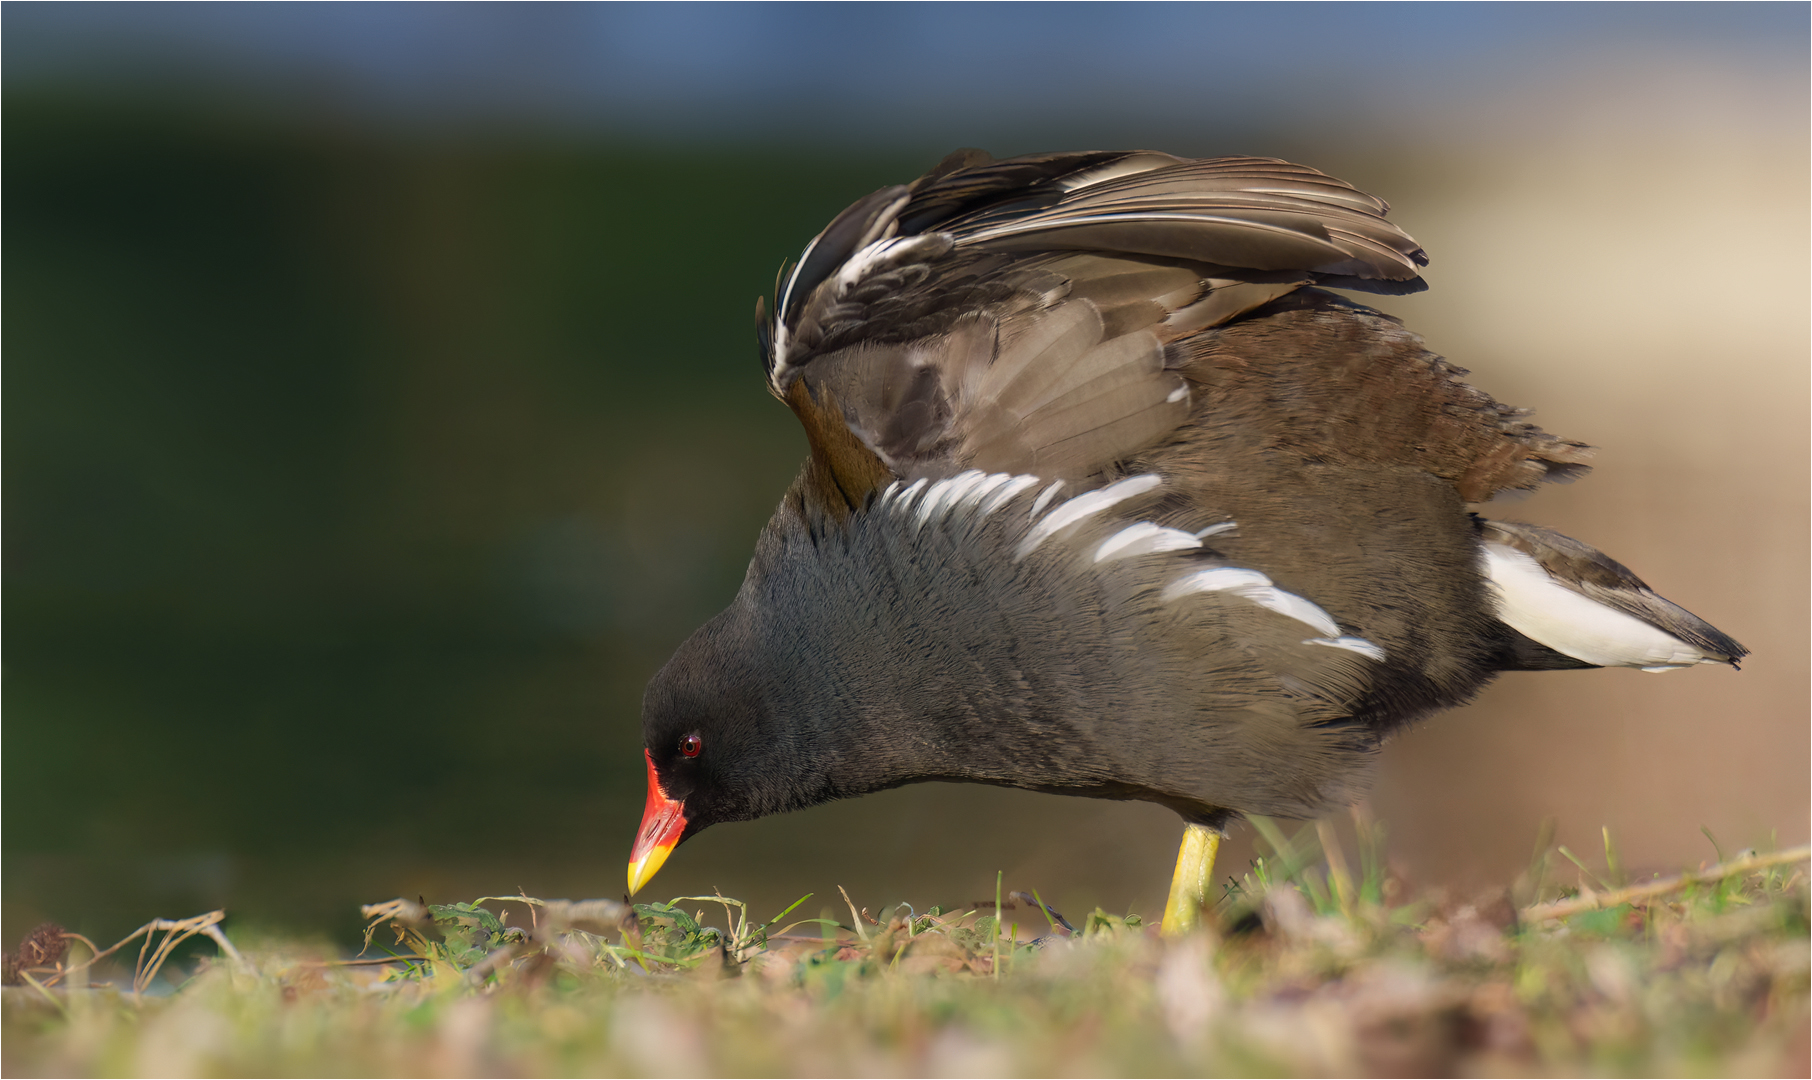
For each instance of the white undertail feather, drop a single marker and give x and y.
(1538, 607)
(1257, 588)
(1083, 506)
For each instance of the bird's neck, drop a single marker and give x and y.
(877, 686)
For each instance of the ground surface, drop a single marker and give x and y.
(1305, 969)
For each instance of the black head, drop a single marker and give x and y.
(704, 724)
(714, 750)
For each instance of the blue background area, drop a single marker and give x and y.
(880, 74)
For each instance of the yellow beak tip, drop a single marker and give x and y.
(644, 868)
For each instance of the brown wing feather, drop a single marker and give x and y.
(1338, 381)
(1022, 315)
(1041, 380)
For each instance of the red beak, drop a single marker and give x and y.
(663, 820)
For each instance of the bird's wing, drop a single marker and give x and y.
(1321, 378)
(1017, 316)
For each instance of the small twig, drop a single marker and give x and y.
(177, 931)
(1560, 909)
(738, 926)
(398, 912)
(213, 933)
(206, 925)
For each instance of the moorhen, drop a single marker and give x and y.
(1107, 496)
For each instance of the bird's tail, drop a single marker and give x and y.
(1573, 606)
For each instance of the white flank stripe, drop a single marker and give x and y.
(933, 496)
(1015, 487)
(1257, 588)
(1309, 614)
(1216, 530)
(1082, 506)
(1178, 394)
(1538, 606)
(1144, 538)
(904, 502)
(1217, 579)
(889, 492)
(1045, 497)
(965, 492)
(989, 485)
(1351, 644)
(946, 494)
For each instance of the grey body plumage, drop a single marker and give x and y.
(1108, 497)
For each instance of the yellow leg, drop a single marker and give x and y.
(1189, 885)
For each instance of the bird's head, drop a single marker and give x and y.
(712, 751)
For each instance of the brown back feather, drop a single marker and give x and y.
(1339, 382)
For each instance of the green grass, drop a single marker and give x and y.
(1308, 967)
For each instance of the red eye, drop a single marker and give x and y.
(691, 745)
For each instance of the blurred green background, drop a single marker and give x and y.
(382, 408)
